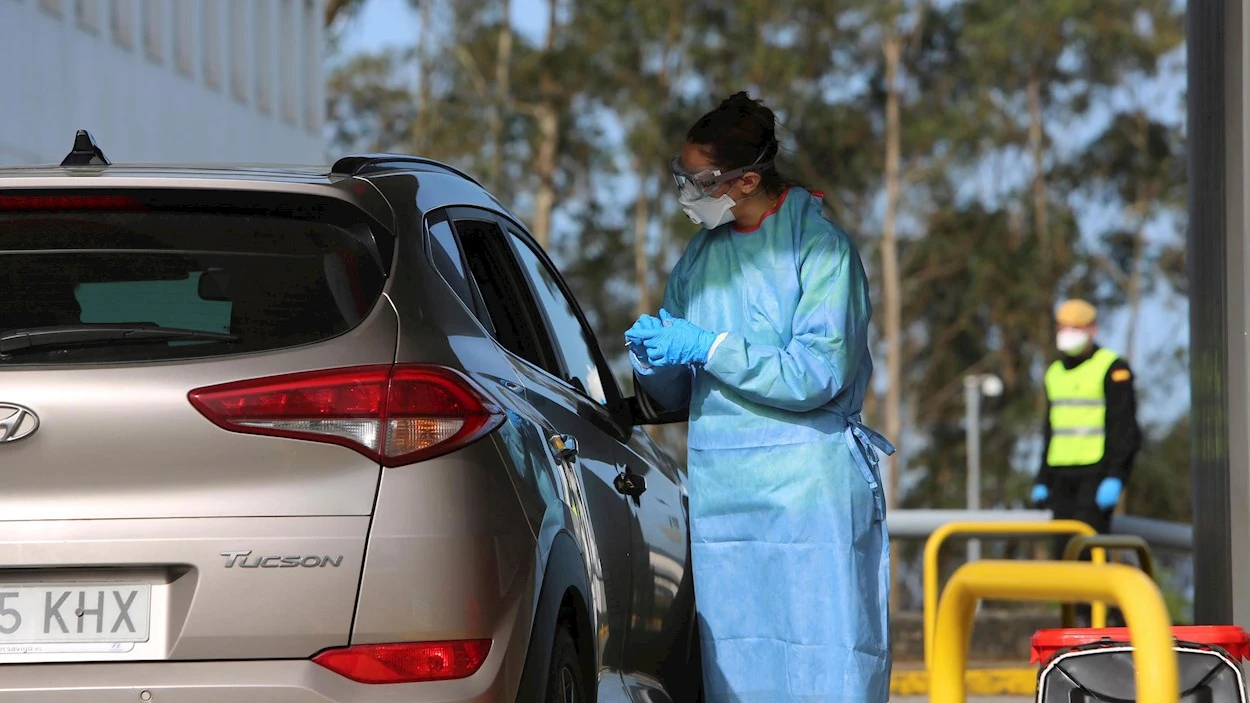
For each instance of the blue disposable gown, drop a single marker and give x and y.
(789, 545)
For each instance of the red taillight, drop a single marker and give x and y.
(407, 663)
(45, 203)
(394, 415)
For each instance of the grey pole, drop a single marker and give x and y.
(972, 430)
(974, 387)
(1218, 48)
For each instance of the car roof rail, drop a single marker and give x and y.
(85, 152)
(359, 164)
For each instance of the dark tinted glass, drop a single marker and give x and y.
(448, 261)
(268, 282)
(572, 340)
(501, 284)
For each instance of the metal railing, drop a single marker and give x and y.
(933, 548)
(1150, 630)
(1077, 546)
(920, 523)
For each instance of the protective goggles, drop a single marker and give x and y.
(701, 184)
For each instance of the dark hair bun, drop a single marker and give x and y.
(744, 105)
(741, 131)
(741, 100)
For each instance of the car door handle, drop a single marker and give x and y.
(630, 484)
(565, 446)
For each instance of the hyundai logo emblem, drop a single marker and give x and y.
(16, 422)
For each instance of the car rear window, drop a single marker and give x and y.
(258, 282)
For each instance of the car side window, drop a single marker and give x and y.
(573, 342)
(448, 258)
(504, 291)
(445, 252)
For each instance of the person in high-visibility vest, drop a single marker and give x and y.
(1091, 432)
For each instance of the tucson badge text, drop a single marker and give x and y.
(244, 560)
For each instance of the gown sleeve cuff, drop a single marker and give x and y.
(719, 338)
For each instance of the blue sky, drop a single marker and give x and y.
(387, 23)
(382, 24)
(1164, 318)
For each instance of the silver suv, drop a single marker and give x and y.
(289, 434)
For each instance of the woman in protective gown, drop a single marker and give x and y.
(763, 333)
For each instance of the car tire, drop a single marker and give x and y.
(565, 681)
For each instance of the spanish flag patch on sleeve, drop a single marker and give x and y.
(1121, 375)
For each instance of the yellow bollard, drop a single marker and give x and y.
(933, 547)
(1150, 630)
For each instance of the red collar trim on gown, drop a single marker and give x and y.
(772, 211)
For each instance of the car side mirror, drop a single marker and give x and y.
(644, 410)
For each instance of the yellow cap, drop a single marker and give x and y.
(1076, 313)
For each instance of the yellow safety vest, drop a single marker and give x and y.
(1078, 410)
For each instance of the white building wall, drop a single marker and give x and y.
(160, 81)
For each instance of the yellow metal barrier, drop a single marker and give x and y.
(933, 547)
(1150, 630)
(1077, 545)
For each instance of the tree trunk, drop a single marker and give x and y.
(1133, 293)
(503, 92)
(1139, 211)
(642, 218)
(1037, 148)
(890, 272)
(643, 264)
(548, 117)
(1134, 290)
(1041, 222)
(545, 164)
(421, 127)
(889, 259)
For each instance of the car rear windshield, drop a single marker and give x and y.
(250, 282)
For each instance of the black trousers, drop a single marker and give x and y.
(1072, 493)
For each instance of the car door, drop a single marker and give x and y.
(660, 646)
(577, 424)
(656, 646)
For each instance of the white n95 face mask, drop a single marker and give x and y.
(709, 212)
(1072, 341)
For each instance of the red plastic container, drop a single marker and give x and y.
(1230, 638)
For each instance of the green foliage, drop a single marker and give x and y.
(982, 83)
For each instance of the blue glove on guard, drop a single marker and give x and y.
(677, 343)
(1040, 494)
(1109, 493)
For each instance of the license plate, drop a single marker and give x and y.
(74, 613)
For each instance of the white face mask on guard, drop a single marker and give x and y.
(1072, 341)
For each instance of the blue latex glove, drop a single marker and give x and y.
(1040, 494)
(1108, 493)
(633, 339)
(644, 323)
(677, 343)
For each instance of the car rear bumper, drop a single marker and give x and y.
(233, 682)
(266, 681)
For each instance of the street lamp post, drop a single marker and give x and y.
(974, 387)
